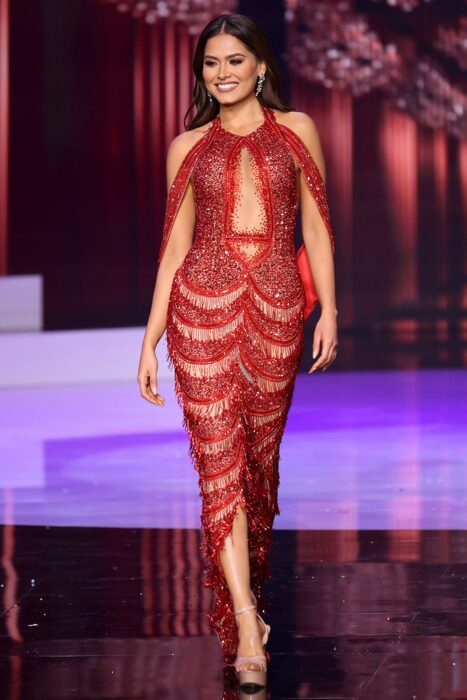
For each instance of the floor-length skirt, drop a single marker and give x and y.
(235, 357)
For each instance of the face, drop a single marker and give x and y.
(230, 69)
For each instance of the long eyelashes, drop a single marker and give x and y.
(234, 62)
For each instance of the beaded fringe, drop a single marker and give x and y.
(203, 334)
(208, 369)
(271, 385)
(211, 302)
(220, 445)
(244, 369)
(275, 350)
(275, 312)
(256, 419)
(214, 408)
(216, 482)
(260, 446)
(229, 508)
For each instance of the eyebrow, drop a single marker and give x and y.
(230, 56)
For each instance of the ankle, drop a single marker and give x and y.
(247, 624)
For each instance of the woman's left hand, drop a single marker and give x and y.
(325, 340)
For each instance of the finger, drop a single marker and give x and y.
(316, 366)
(324, 357)
(158, 399)
(324, 361)
(151, 389)
(146, 391)
(330, 360)
(316, 346)
(142, 386)
(153, 383)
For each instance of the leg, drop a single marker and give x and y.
(234, 558)
(212, 416)
(235, 561)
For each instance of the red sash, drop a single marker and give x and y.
(311, 296)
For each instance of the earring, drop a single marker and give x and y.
(209, 96)
(261, 79)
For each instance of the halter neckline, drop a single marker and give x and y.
(267, 113)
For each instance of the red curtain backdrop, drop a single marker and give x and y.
(162, 93)
(398, 142)
(92, 120)
(395, 214)
(398, 145)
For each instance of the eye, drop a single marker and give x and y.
(209, 63)
(236, 60)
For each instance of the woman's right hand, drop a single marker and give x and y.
(147, 376)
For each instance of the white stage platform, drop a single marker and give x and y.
(74, 357)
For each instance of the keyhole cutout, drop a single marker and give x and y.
(249, 221)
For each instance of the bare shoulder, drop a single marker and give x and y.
(299, 122)
(305, 128)
(180, 146)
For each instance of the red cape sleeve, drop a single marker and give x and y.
(178, 187)
(316, 186)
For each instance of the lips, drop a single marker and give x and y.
(226, 87)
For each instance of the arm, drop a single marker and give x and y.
(178, 245)
(319, 248)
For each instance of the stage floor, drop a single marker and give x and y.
(122, 614)
(361, 450)
(101, 578)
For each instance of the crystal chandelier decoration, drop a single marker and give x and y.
(431, 99)
(194, 14)
(452, 41)
(333, 45)
(406, 5)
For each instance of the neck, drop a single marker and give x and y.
(242, 115)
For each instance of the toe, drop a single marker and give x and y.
(253, 667)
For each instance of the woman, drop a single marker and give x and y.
(233, 304)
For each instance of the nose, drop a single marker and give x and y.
(223, 73)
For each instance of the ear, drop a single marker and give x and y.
(263, 68)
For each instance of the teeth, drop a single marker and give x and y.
(226, 85)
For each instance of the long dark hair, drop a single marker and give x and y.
(255, 39)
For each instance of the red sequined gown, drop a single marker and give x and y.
(235, 333)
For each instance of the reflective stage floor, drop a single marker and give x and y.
(101, 576)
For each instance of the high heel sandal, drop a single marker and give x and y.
(267, 628)
(252, 677)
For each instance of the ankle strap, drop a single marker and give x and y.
(249, 607)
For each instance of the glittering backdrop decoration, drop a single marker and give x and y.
(406, 5)
(453, 42)
(331, 44)
(192, 13)
(431, 99)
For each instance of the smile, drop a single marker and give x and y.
(226, 87)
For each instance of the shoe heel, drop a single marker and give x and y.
(268, 630)
(252, 679)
